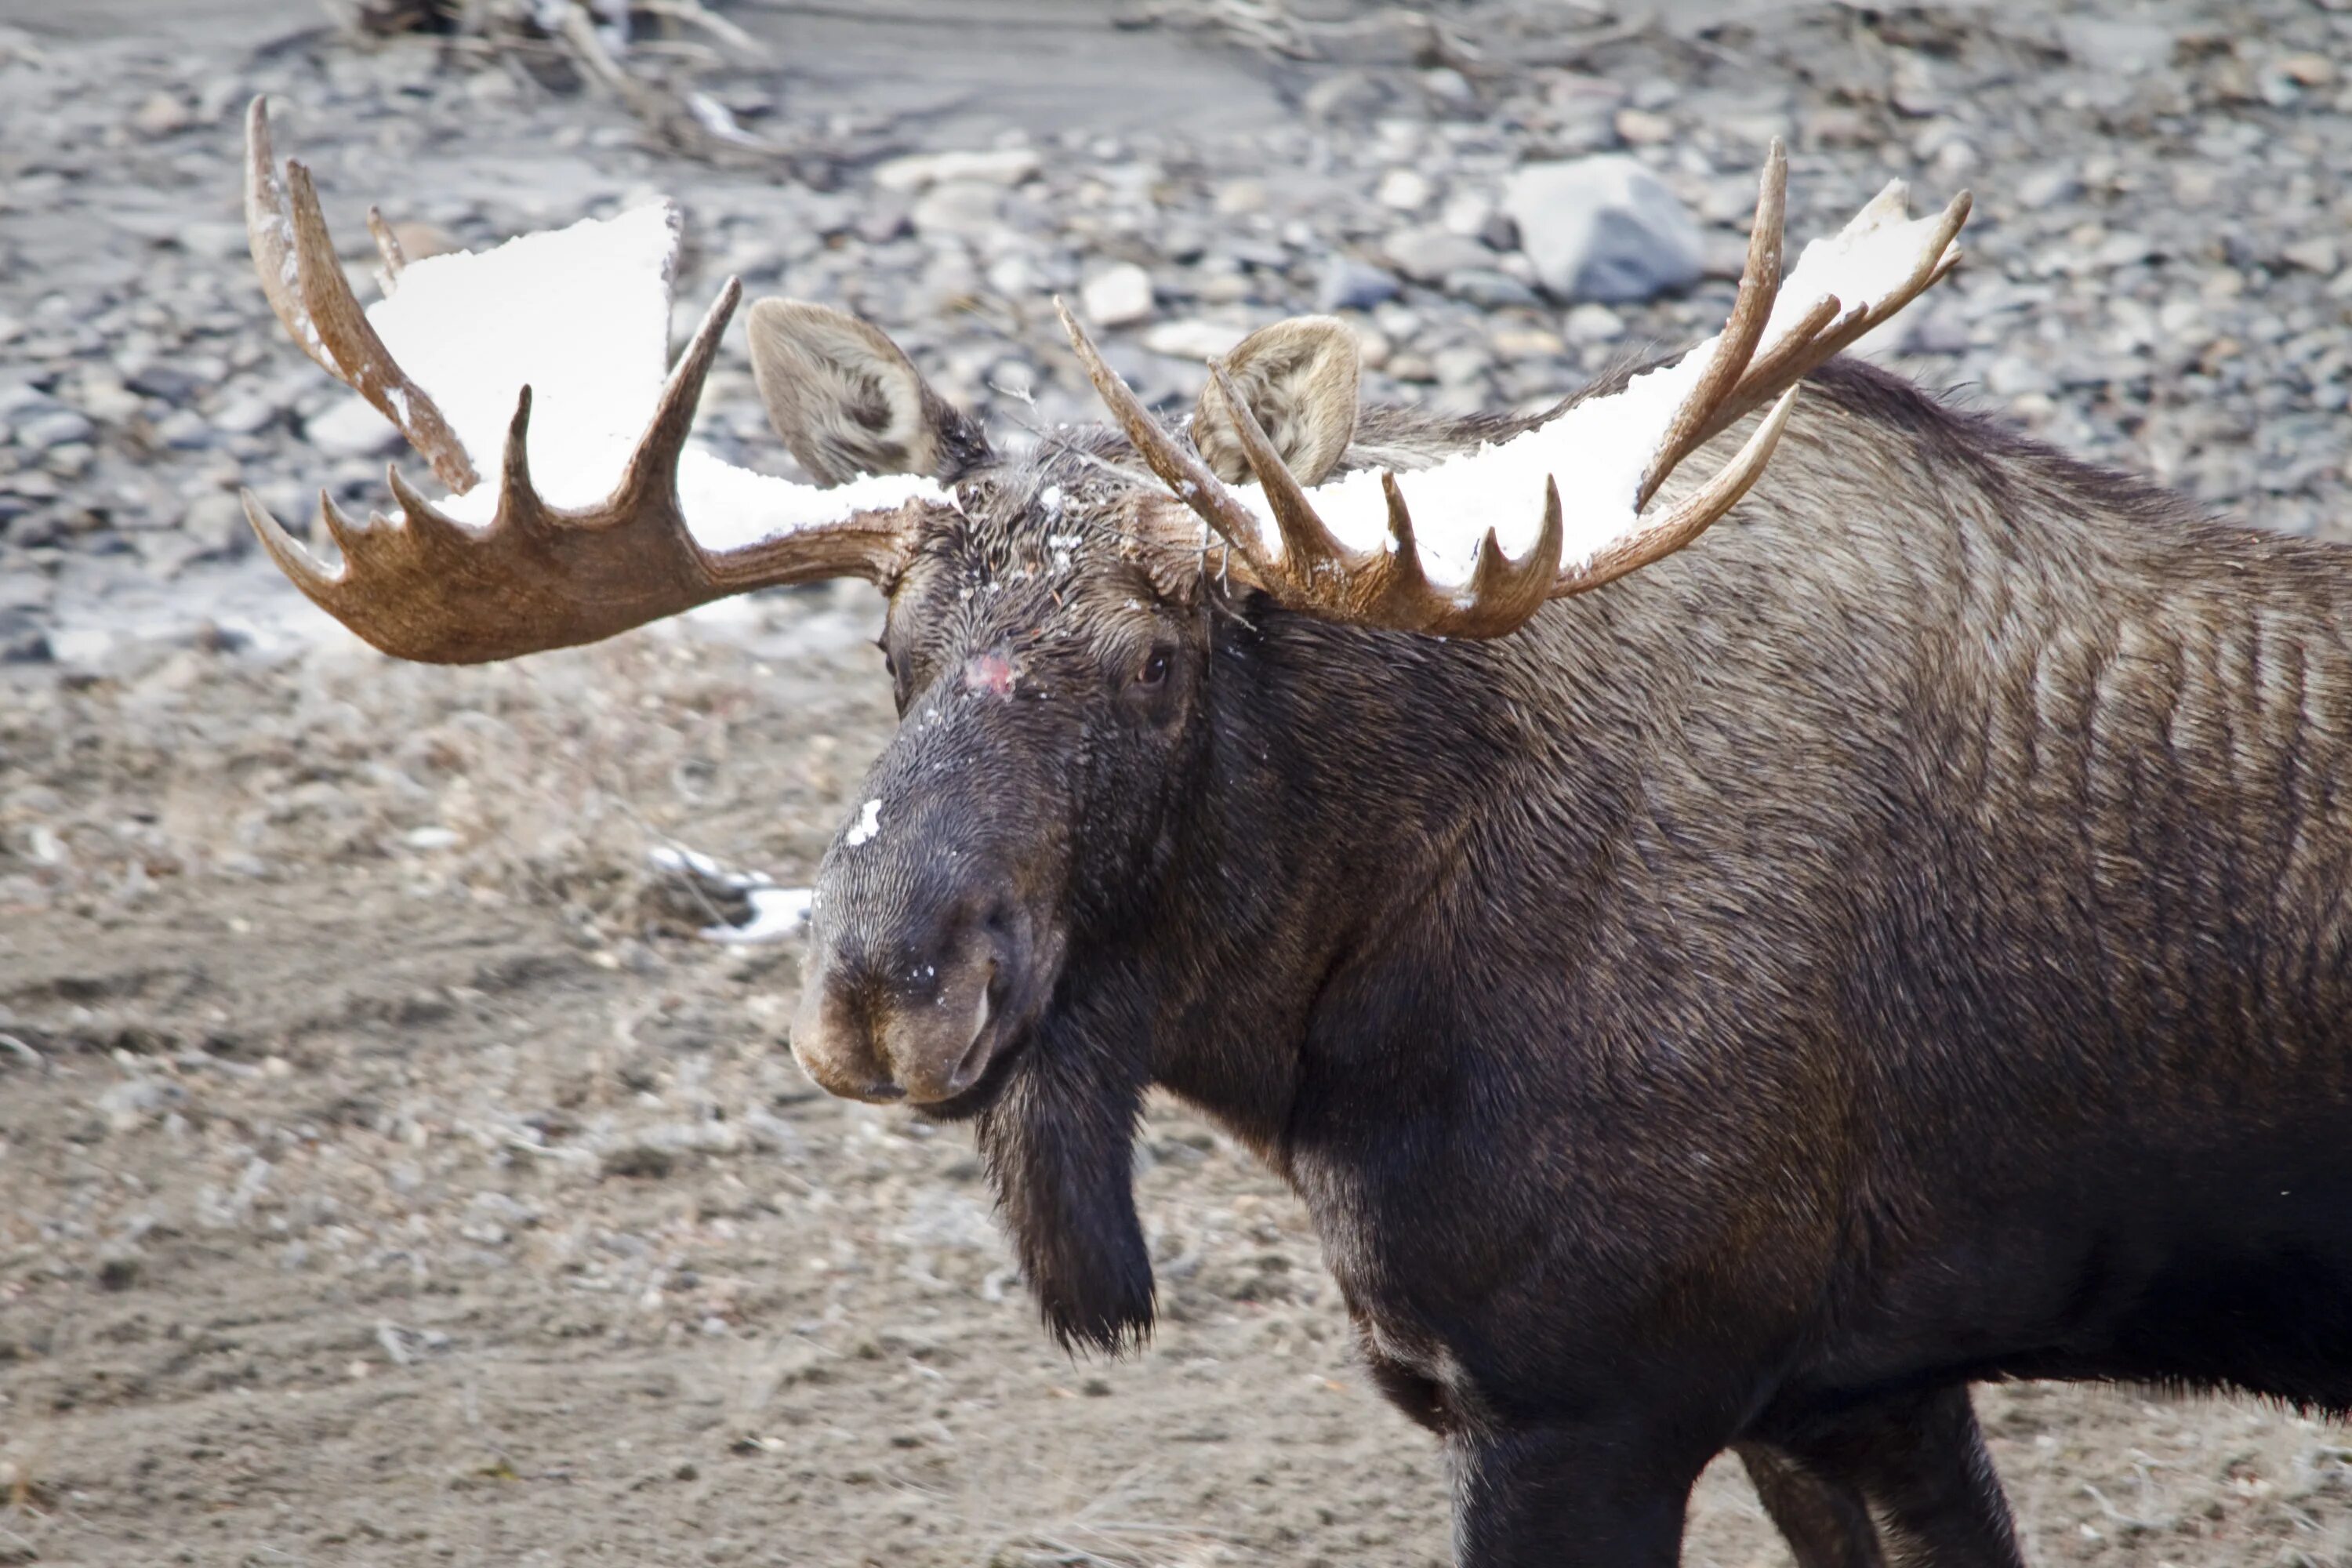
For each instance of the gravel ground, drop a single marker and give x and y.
(394, 1176)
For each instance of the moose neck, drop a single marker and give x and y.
(1339, 772)
(1346, 770)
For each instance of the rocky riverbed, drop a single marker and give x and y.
(393, 1174)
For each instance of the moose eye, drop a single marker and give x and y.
(1154, 670)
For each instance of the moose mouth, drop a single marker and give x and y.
(1018, 995)
(998, 1044)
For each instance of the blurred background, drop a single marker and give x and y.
(399, 1162)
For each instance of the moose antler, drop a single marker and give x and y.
(1315, 571)
(536, 575)
(1387, 583)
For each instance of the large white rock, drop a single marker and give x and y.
(1603, 228)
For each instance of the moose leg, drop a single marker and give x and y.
(1919, 1460)
(1826, 1523)
(1545, 1498)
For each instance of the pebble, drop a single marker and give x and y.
(2318, 254)
(51, 427)
(216, 523)
(185, 430)
(1001, 166)
(1643, 128)
(1240, 198)
(244, 415)
(1591, 324)
(1346, 284)
(350, 428)
(1192, 338)
(1119, 296)
(1603, 228)
(1427, 253)
(1490, 289)
(965, 207)
(1406, 190)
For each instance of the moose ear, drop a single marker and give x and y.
(1299, 379)
(847, 401)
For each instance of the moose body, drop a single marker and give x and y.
(1896, 941)
(1892, 942)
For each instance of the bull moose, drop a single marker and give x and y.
(1712, 987)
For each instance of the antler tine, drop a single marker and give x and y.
(1308, 547)
(1759, 288)
(269, 234)
(367, 365)
(283, 548)
(1404, 547)
(1503, 596)
(305, 285)
(1179, 469)
(1735, 381)
(1665, 535)
(1832, 325)
(653, 467)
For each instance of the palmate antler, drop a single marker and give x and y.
(530, 575)
(1629, 441)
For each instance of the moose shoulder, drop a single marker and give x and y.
(1892, 942)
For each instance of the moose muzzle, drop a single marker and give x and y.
(930, 950)
(915, 1018)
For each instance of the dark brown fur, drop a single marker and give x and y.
(1899, 939)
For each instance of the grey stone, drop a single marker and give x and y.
(350, 428)
(1192, 338)
(23, 640)
(21, 399)
(244, 415)
(1427, 253)
(189, 431)
(68, 460)
(2013, 375)
(1603, 228)
(1347, 284)
(1344, 95)
(967, 208)
(1119, 296)
(214, 523)
(2317, 254)
(215, 241)
(50, 427)
(882, 221)
(2047, 187)
(1462, 367)
(1490, 291)
(163, 379)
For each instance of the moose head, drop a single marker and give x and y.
(1067, 629)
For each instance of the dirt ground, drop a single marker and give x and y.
(395, 1176)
